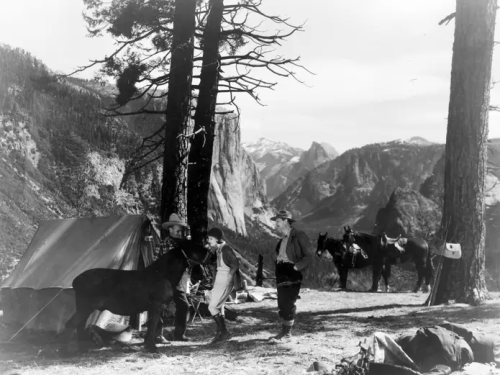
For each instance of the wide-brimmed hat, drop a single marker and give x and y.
(174, 219)
(283, 214)
(216, 233)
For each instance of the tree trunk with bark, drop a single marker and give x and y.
(178, 113)
(466, 153)
(200, 157)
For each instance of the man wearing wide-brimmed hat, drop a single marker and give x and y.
(293, 257)
(177, 228)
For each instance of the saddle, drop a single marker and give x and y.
(392, 241)
(355, 250)
(398, 242)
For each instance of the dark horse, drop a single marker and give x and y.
(387, 251)
(345, 258)
(132, 292)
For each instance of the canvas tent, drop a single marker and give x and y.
(60, 251)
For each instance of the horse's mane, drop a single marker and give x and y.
(332, 241)
(167, 258)
(364, 235)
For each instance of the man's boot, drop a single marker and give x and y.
(285, 335)
(224, 333)
(180, 332)
(279, 335)
(217, 333)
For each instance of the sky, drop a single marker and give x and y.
(381, 68)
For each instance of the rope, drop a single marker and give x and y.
(28, 322)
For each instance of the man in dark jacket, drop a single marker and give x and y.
(294, 256)
(176, 228)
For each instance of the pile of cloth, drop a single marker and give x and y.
(436, 350)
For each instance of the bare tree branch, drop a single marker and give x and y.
(447, 19)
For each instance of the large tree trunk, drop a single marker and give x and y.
(175, 156)
(200, 157)
(466, 152)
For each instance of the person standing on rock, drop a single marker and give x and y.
(294, 256)
(226, 278)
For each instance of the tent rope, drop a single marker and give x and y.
(28, 322)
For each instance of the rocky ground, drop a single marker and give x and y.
(329, 327)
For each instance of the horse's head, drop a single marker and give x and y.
(195, 253)
(329, 247)
(321, 244)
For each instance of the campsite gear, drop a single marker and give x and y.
(382, 355)
(111, 333)
(386, 350)
(431, 346)
(174, 219)
(448, 250)
(131, 292)
(443, 250)
(482, 345)
(38, 293)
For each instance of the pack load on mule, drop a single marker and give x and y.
(39, 295)
(344, 258)
(358, 250)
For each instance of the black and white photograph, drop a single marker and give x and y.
(240, 187)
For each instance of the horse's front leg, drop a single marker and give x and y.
(386, 273)
(377, 269)
(154, 317)
(420, 271)
(342, 271)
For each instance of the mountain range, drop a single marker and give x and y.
(60, 157)
(280, 164)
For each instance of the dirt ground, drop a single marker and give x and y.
(329, 327)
